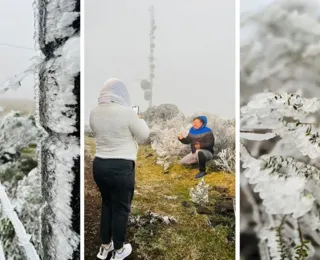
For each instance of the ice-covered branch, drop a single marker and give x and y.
(226, 160)
(281, 183)
(14, 82)
(284, 115)
(2, 256)
(24, 238)
(280, 54)
(281, 105)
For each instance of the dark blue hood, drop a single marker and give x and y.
(204, 129)
(205, 121)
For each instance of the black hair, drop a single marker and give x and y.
(199, 118)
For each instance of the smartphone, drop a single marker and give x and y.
(136, 109)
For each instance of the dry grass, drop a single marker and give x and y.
(191, 237)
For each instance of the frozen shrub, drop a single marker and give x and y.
(224, 161)
(200, 194)
(280, 144)
(165, 140)
(159, 114)
(164, 137)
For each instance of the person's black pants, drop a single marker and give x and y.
(202, 160)
(116, 180)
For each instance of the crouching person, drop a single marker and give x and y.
(201, 139)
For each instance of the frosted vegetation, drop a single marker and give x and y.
(167, 123)
(39, 151)
(280, 142)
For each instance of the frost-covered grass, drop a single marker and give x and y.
(190, 238)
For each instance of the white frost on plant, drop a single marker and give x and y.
(226, 160)
(2, 256)
(14, 82)
(279, 75)
(64, 239)
(281, 183)
(28, 202)
(167, 123)
(200, 194)
(66, 66)
(60, 19)
(56, 69)
(257, 137)
(166, 143)
(23, 236)
(59, 42)
(17, 132)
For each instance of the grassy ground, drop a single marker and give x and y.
(191, 238)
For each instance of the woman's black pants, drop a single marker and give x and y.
(116, 180)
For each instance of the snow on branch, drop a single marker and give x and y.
(281, 105)
(14, 82)
(226, 160)
(286, 115)
(281, 183)
(2, 252)
(280, 150)
(24, 238)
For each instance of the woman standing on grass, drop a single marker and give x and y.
(116, 127)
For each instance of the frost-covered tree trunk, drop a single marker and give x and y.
(280, 117)
(58, 96)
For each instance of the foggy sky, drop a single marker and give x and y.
(195, 52)
(17, 28)
(253, 5)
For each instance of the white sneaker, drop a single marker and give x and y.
(122, 253)
(104, 252)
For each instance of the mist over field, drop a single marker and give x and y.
(24, 106)
(194, 53)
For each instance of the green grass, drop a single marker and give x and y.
(191, 237)
(29, 152)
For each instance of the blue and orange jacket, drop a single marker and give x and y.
(203, 136)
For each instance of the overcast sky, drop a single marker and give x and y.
(16, 28)
(252, 5)
(195, 44)
(195, 52)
